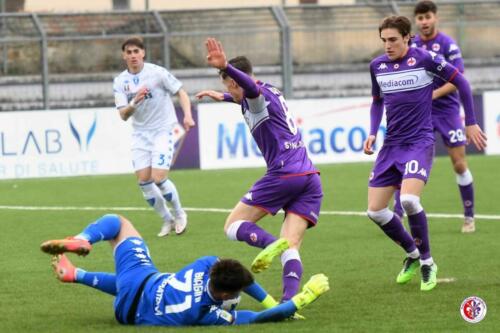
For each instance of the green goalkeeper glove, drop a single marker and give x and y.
(269, 302)
(315, 287)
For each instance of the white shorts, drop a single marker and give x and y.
(153, 149)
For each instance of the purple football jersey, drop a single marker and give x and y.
(273, 129)
(406, 85)
(446, 47)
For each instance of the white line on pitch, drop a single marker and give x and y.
(446, 280)
(223, 210)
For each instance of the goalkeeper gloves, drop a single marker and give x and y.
(315, 287)
(269, 302)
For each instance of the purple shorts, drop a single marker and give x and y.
(451, 129)
(300, 195)
(395, 163)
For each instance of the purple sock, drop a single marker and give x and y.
(398, 208)
(467, 194)
(418, 227)
(397, 232)
(292, 273)
(254, 235)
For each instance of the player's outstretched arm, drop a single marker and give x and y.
(215, 95)
(258, 293)
(217, 59)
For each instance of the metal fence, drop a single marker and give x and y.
(69, 60)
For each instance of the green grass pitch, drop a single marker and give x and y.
(360, 261)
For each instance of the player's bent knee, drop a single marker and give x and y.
(411, 204)
(380, 217)
(231, 229)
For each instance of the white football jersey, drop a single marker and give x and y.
(156, 111)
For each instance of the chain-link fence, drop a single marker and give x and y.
(69, 60)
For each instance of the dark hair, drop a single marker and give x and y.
(425, 6)
(400, 23)
(240, 62)
(135, 41)
(229, 275)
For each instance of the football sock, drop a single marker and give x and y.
(250, 233)
(391, 225)
(465, 184)
(292, 273)
(105, 282)
(429, 261)
(169, 192)
(419, 231)
(153, 196)
(105, 228)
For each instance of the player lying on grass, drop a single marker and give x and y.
(194, 295)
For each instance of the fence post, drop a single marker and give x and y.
(286, 51)
(44, 60)
(166, 49)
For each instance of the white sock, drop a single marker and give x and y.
(429, 261)
(153, 196)
(465, 178)
(169, 192)
(414, 254)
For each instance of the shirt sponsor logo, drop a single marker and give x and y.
(403, 81)
(436, 47)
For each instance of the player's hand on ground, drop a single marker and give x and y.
(315, 287)
(368, 144)
(215, 54)
(475, 135)
(215, 95)
(188, 122)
